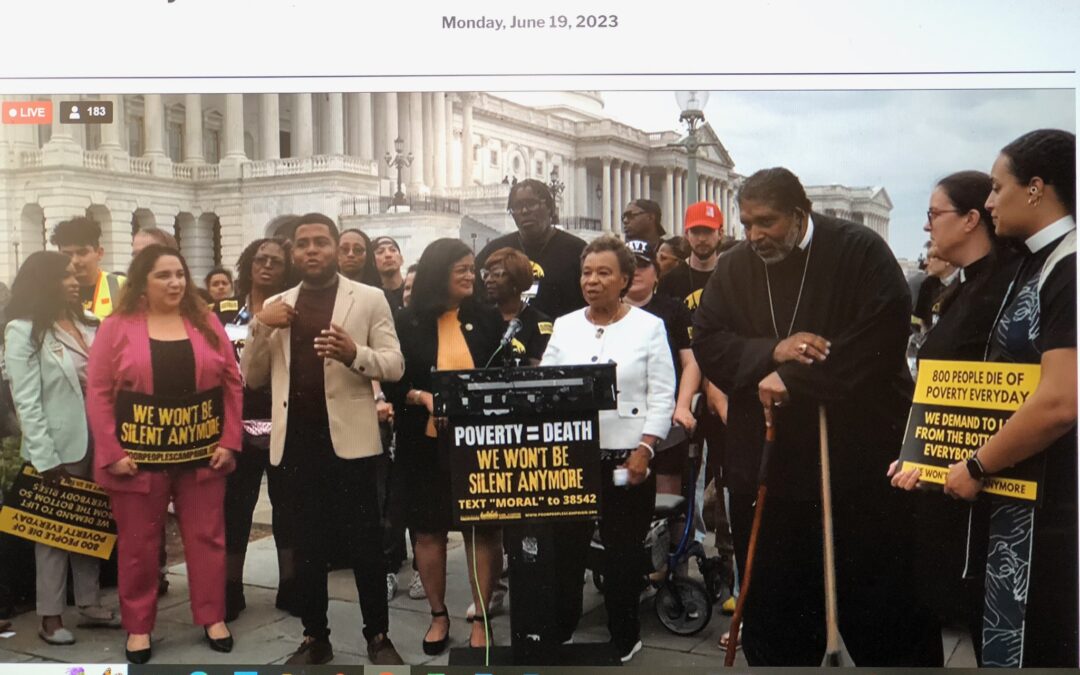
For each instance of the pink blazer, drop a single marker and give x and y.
(120, 360)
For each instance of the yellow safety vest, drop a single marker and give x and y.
(106, 294)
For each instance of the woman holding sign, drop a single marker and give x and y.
(164, 400)
(1031, 574)
(441, 329)
(47, 339)
(611, 330)
(961, 234)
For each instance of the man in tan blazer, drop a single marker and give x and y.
(320, 345)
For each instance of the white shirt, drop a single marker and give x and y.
(644, 374)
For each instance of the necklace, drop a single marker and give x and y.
(798, 298)
(601, 326)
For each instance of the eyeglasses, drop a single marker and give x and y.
(497, 273)
(527, 206)
(933, 213)
(268, 261)
(629, 215)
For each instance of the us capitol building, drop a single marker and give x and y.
(219, 170)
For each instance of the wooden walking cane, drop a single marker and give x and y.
(744, 587)
(832, 625)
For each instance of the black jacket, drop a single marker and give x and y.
(482, 327)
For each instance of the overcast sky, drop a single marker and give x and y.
(902, 140)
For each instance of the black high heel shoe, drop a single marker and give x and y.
(137, 656)
(436, 647)
(223, 645)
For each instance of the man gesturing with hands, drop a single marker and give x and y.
(320, 345)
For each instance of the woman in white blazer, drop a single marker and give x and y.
(609, 330)
(47, 343)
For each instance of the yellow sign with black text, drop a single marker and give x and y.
(958, 406)
(73, 515)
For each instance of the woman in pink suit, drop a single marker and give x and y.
(161, 347)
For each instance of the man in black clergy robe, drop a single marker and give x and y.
(814, 310)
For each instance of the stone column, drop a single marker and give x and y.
(193, 129)
(679, 206)
(234, 126)
(403, 125)
(581, 189)
(336, 119)
(269, 127)
(669, 200)
(429, 138)
(362, 110)
(451, 179)
(154, 125)
(234, 136)
(438, 113)
(352, 125)
(605, 198)
(416, 142)
(636, 178)
(626, 184)
(617, 199)
(391, 131)
(302, 140)
(646, 183)
(466, 138)
(701, 189)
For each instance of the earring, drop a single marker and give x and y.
(1035, 198)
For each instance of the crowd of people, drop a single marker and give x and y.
(317, 353)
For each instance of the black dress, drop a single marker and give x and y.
(421, 477)
(1039, 316)
(944, 525)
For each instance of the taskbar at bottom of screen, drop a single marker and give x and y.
(127, 669)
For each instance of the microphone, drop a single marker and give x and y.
(511, 330)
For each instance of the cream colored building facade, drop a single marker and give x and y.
(219, 170)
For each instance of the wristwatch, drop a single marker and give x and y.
(975, 468)
(381, 398)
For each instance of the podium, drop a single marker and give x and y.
(525, 456)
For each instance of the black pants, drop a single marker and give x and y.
(625, 513)
(242, 494)
(338, 516)
(784, 621)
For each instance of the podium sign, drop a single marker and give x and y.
(517, 468)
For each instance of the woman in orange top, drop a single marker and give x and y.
(443, 328)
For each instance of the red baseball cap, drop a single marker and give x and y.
(703, 214)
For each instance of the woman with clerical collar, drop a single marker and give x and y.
(161, 370)
(962, 236)
(1031, 595)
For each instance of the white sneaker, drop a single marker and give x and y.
(630, 654)
(498, 602)
(416, 587)
(391, 586)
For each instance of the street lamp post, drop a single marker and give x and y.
(692, 104)
(398, 161)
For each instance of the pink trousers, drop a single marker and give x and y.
(140, 520)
